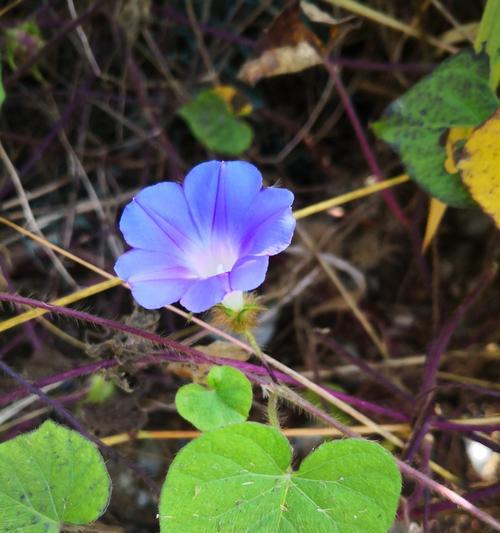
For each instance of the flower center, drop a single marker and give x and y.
(213, 261)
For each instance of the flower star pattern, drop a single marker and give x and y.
(199, 241)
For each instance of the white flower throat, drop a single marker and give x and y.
(214, 260)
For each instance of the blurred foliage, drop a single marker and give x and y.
(216, 125)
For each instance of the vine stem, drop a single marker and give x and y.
(296, 377)
(424, 407)
(273, 396)
(407, 470)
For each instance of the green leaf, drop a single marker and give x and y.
(455, 94)
(21, 43)
(100, 389)
(227, 400)
(488, 38)
(213, 124)
(50, 477)
(239, 478)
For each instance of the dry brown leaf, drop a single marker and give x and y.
(289, 45)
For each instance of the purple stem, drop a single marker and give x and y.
(478, 389)
(194, 356)
(454, 498)
(440, 343)
(10, 345)
(105, 322)
(73, 422)
(368, 406)
(473, 496)
(420, 491)
(493, 445)
(369, 155)
(252, 371)
(365, 367)
(174, 161)
(448, 425)
(27, 425)
(28, 328)
(421, 427)
(426, 456)
(179, 18)
(176, 347)
(59, 124)
(363, 142)
(425, 406)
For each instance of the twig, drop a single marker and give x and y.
(28, 214)
(83, 38)
(385, 20)
(358, 313)
(305, 129)
(213, 77)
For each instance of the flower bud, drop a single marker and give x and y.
(238, 312)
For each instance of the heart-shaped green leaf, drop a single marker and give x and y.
(456, 93)
(239, 478)
(213, 124)
(227, 400)
(50, 477)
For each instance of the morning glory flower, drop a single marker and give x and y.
(206, 239)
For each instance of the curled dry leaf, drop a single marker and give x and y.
(298, 39)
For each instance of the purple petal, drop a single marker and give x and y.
(248, 273)
(156, 279)
(269, 223)
(145, 265)
(220, 194)
(156, 294)
(205, 293)
(158, 218)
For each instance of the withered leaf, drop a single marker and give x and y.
(297, 39)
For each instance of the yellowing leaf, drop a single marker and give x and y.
(480, 166)
(236, 102)
(455, 134)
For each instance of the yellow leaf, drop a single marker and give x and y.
(480, 166)
(437, 210)
(236, 102)
(455, 134)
